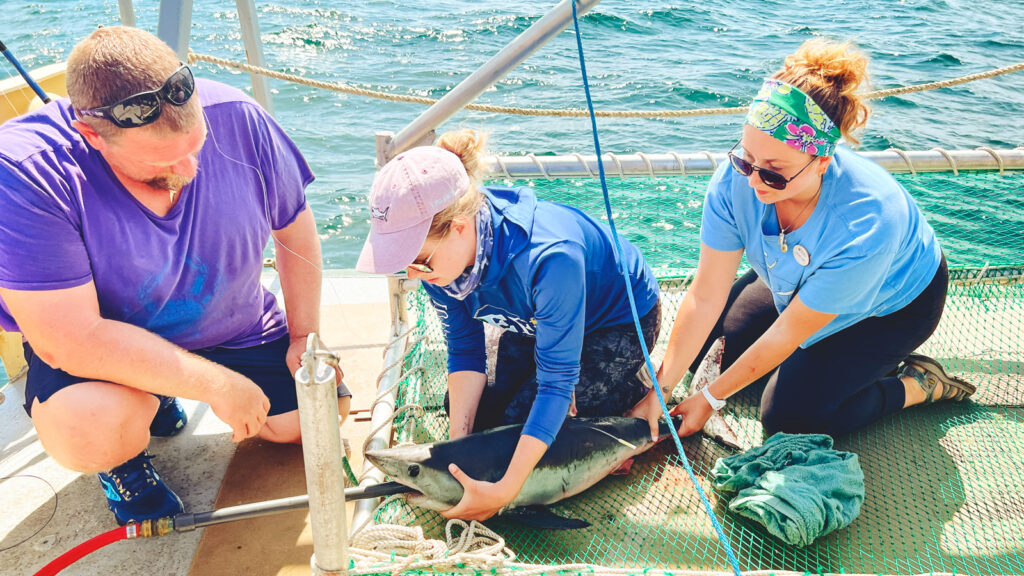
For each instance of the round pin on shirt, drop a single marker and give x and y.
(801, 255)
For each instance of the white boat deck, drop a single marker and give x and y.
(53, 509)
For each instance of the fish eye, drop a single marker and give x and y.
(414, 470)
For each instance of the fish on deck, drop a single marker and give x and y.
(708, 371)
(582, 454)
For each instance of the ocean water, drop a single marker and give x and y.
(643, 55)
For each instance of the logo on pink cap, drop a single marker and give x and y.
(406, 194)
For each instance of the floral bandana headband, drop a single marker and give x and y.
(787, 114)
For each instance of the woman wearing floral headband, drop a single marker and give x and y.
(847, 278)
(546, 274)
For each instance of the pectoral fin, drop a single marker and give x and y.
(543, 518)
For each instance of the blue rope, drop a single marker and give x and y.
(24, 73)
(632, 304)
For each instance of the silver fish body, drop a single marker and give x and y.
(584, 451)
(708, 371)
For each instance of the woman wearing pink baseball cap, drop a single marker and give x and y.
(543, 272)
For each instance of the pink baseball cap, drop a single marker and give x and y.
(406, 194)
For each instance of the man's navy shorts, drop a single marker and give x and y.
(264, 364)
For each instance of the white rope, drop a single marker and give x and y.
(949, 158)
(618, 163)
(504, 169)
(994, 154)
(395, 340)
(711, 158)
(537, 163)
(472, 548)
(371, 515)
(682, 164)
(572, 112)
(906, 158)
(391, 548)
(647, 162)
(407, 408)
(579, 158)
(383, 394)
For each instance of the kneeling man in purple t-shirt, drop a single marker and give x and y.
(133, 220)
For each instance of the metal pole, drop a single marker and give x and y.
(127, 12)
(24, 73)
(493, 70)
(380, 416)
(249, 21)
(322, 455)
(186, 522)
(704, 163)
(175, 25)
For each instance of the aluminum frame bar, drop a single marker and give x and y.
(704, 163)
(175, 24)
(250, 24)
(513, 54)
(384, 407)
(127, 12)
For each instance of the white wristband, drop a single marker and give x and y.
(715, 403)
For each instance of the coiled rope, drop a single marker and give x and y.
(472, 549)
(345, 88)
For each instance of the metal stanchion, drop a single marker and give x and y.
(322, 454)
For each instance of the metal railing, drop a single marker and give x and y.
(703, 163)
(519, 49)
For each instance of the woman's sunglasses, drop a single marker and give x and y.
(145, 107)
(424, 266)
(771, 178)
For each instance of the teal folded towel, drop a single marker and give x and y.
(795, 485)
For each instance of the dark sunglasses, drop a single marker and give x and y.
(145, 107)
(771, 178)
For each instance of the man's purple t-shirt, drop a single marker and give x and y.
(192, 276)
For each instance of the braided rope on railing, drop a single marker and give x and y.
(344, 88)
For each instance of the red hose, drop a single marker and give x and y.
(91, 545)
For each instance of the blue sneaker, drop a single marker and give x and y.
(135, 492)
(170, 417)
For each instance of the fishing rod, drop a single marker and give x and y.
(187, 522)
(24, 73)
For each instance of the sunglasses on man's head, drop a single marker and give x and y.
(145, 107)
(771, 178)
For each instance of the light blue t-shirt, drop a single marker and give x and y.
(870, 250)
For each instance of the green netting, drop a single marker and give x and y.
(944, 488)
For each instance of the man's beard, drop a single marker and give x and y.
(168, 182)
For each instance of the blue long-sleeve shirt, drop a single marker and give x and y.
(552, 275)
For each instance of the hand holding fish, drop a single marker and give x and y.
(695, 411)
(649, 409)
(481, 500)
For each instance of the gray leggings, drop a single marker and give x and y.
(608, 384)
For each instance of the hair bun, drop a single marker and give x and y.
(831, 73)
(469, 146)
(824, 62)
